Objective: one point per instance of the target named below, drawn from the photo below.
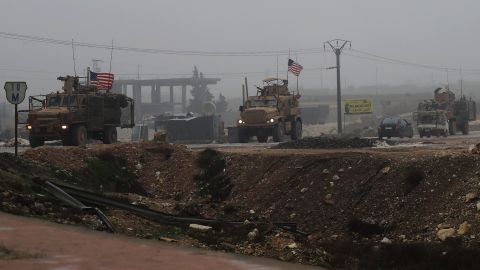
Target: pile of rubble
(345, 203)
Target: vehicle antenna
(74, 65)
(461, 83)
(287, 62)
(111, 57)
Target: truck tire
(35, 141)
(452, 127)
(262, 136)
(296, 130)
(278, 132)
(78, 137)
(465, 129)
(109, 135)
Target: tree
(221, 104)
(200, 93)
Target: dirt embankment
(352, 206)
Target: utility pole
(337, 46)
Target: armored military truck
(444, 107)
(78, 113)
(273, 111)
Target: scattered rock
(166, 239)
(325, 171)
(478, 206)
(471, 196)
(303, 190)
(385, 240)
(385, 170)
(139, 166)
(253, 234)
(292, 245)
(443, 234)
(329, 199)
(443, 226)
(341, 170)
(251, 211)
(336, 177)
(199, 227)
(464, 228)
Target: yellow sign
(358, 106)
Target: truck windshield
(68, 101)
(430, 119)
(263, 103)
(54, 101)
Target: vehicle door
(95, 113)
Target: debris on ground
(347, 203)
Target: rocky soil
(406, 209)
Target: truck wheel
(465, 129)
(79, 136)
(296, 130)
(278, 132)
(452, 127)
(109, 135)
(262, 136)
(35, 141)
(420, 134)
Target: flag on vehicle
(294, 67)
(103, 81)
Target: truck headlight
(272, 120)
(240, 121)
(64, 127)
(29, 127)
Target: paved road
(463, 141)
(63, 247)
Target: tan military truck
(444, 107)
(273, 111)
(78, 113)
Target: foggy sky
(431, 32)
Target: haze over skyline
(433, 33)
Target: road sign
(358, 106)
(15, 91)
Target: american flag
(294, 67)
(103, 81)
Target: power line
(392, 60)
(46, 40)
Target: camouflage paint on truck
(273, 111)
(77, 114)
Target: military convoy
(444, 114)
(273, 111)
(78, 113)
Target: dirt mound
(328, 142)
(371, 199)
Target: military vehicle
(444, 109)
(432, 123)
(78, 113)
(273, 111)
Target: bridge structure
(139, 89)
